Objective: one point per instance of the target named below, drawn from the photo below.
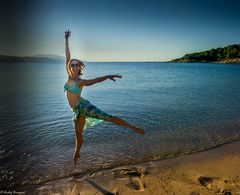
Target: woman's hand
(67, 34)
(114, 76)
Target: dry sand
(216, 171)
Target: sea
(183, 107)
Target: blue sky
(118, 30)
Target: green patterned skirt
(93, 114)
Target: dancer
(84, 113)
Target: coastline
(214, 171)
(224, 61)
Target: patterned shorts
(93, 114)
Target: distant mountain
(51, 56)
(36, 58)
(229, 54)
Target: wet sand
(215, 171)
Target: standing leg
(78, 133)
(121, 122)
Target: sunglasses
(72, 65)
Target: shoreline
(213, 171)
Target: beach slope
(214, 171)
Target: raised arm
(99, 79)
(67, 50)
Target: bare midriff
(72, 98)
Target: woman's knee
(112, 119)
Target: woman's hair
(82, 65)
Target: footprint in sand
(129, 172)
(226, 192)
(134, 174)
(136, 184)
(227, 186)
(205, 181)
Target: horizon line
(51, 56)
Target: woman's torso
(73, 96)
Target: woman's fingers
(67, 33)
(118, 75)
(112, 78)
(115, 76)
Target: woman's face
(75, 66)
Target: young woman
(84, 113)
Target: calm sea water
(184, 108)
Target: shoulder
(81, 82)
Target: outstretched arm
(99, 79)
(67, 50)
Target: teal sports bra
(72, 88)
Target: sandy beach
(215, 171)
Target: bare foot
(76, 156)
(139, 130)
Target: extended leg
(121, 122)
(78, 133)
